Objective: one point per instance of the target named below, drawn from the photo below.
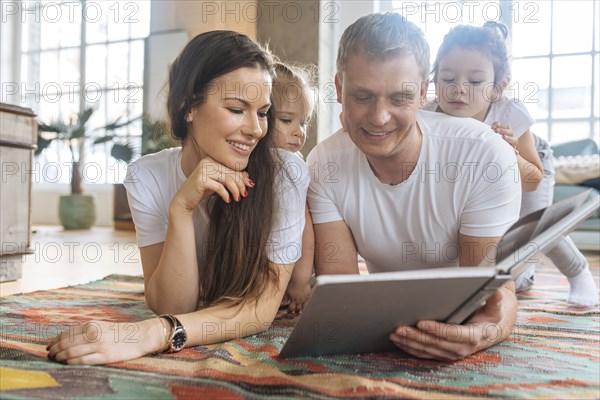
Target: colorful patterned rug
(554, 352)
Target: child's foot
(525, 281)
(583, 289)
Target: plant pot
(77, 211)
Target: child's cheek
(489, 94)
(277, 136)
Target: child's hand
(507, 134)
(297, 295)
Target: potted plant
(155, 137)
(77, 211)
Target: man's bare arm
(335, 251)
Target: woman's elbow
(155, 306)
(160, 308)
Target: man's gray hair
(383, 35)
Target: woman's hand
(211, 177)
(101, 342)
(507, 134)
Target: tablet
(350, 314)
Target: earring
(188, 117)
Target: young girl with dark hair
(470, 73)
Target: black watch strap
(177, 339)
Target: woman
(217, 246)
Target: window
(77, 54)
(555, 64)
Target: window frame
(112, 171)
(506, 8)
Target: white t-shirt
(465, 181)
(153, 180)
(512, 112)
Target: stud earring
(188, 117)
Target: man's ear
(423, 94)
(338, 88)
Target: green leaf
(83, 117)
(56, 127)
(116, 125)
(42, 144)
(122, 152)
(77, 133)
(104, 139)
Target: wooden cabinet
(18, 139)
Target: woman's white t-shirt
(153, 180)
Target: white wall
(161, 49)
(45, 196)
(336, 16)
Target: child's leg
(543, 195)
(536, 200)
(565, 255)
(569, 260)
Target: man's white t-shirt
(466, 180)
(154, 179)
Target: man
(407, 188)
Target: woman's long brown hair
(236, 266)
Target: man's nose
(380, 114)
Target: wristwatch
(178, 337)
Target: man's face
(380, 100)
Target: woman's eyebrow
(245, 102)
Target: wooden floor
(64, 258)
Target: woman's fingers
(234, 185)
(219, 189)
(87, 359)
(73, 352)
(100, 342)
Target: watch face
(179, 340)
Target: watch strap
(167, 334)
(176, 326)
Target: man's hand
(450, 342)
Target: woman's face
(229, 124)
(465, 83)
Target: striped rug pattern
(553, 352)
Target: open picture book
(351, 314)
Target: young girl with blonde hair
(294, 106)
